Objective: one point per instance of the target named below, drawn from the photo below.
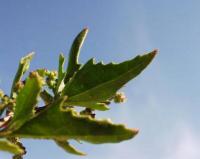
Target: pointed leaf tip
(69, 148)
(27, 58)
(86, 29)
(151, 54)
(135, 131)
(73, 64)
(155, 52)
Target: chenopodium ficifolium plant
(92, 86)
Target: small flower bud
(51, 83)
(47, 72)
(119, 97)
(33, 74)
(53, 75)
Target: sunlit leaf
(61, 72)
(53, 123)
(69, 148)
(10, 147)
(26, 101)
(22, 68)
(96, 82)
(73, 64)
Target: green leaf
(68, 148)
(73, 64)
(96, 82)
(98, 106)
(55, 124)
(26, 101)
(61, 72)
(10, 147)
(22, 68)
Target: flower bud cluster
(6, 102)
(51, 78)
(5, 99)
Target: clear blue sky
(163, 102)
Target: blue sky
(163, 102)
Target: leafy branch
(92, 86)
